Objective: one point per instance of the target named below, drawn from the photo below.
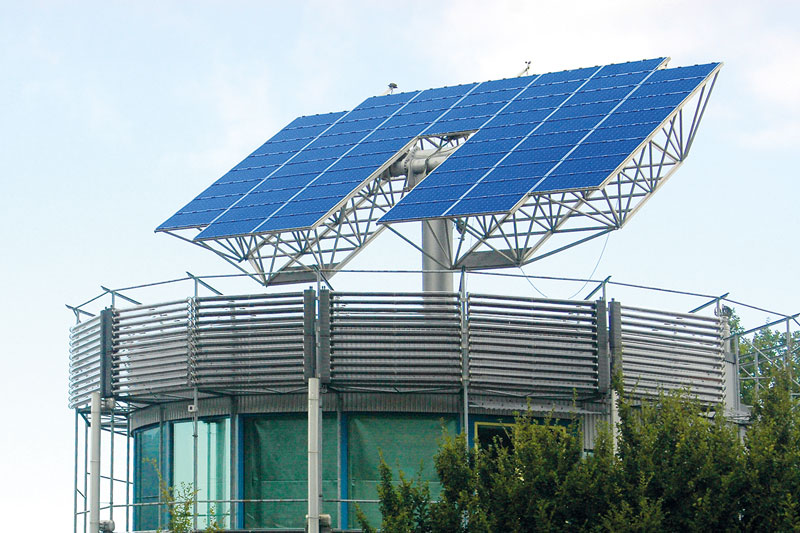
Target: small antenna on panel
(392, 87)
(525, 70)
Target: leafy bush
(676, 466)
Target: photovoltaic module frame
(521, 167)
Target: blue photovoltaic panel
(384, 125)
(584, 135)
(506, 184)
(626, 128)
(243, 177)
(328, 189)
(535, 99)
(555, 131)
(287, 182)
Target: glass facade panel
(408, 442)
(145, 478)
(276, 467)
(213, 466)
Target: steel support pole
(94, 469)
(313, 456)
(75, 487)
(85, 473)
(464, 357)
(437, 245)
(194, 458)
(437, 235)
(111, 467)
(128, 525)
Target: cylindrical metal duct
(94, 465)
(313, 456)
(437, 242)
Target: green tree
(459, 508)
(679, 461)
(180, 501)
(405, 508)
(773, 459)
(678, 466)
(593, 488)
(522, 487)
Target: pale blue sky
(115, 114)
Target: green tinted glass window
(145, 478)
(276, 468)
(408, 442)
(213, 466)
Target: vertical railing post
(233, 464)
(463, 308)
(162, 456)
(85, 475)
(615, 347)
(75, 487)
(192, 378)
(128, 472)
(195, 436)
(111, 468)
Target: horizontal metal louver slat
(533, 347)
(253, 342)
(663, 351)
(84, 361)
(391, 341)
(150, 349)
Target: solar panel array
(549, 132)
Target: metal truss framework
(540, 225)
